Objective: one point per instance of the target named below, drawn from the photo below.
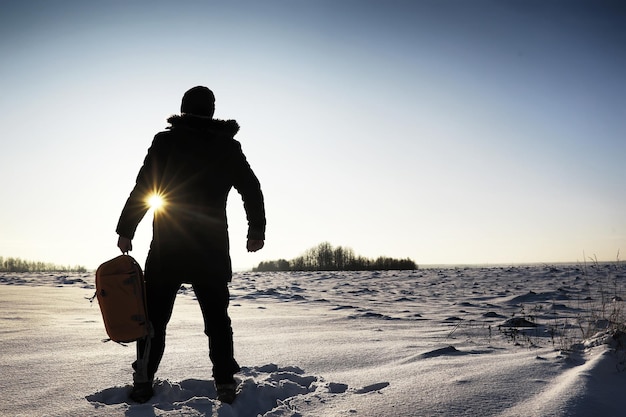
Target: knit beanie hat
(198, 100)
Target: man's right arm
(136, 205)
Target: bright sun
(155, 201)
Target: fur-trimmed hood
(216, 126)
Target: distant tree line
(324, 257)
(21, 265)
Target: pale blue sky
(444, 131)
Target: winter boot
(141, 392)
(226, 393)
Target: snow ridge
(266, 391)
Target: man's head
(198, 100)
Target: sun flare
(155, 201)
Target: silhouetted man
(192, 166)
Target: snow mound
(267, 391)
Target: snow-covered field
(432, 342)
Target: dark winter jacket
(193, 165)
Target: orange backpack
(121, 293)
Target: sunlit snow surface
(496, 341)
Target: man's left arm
(248, 186)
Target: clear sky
(444, 131)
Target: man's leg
(160, 299)
(214, 300)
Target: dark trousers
(213, 300)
